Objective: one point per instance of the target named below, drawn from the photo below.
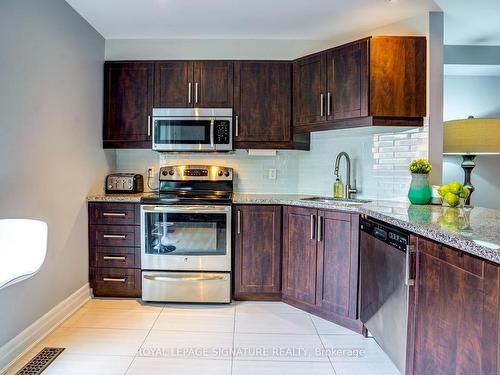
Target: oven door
(186, 238)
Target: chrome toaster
(124, 183)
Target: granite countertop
(472, 230)
(123, 198)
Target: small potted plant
(420, 190)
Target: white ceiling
(243, 19)
(466, 21)
(471, 22)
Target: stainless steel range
(186, 236)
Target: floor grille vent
(40, 362)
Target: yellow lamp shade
(473, 136)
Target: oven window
(182, 131)
(185, 233)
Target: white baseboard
(27, 339)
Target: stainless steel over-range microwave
(192, 129)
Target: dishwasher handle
(409, 281)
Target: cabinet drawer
(114, 213)
(115, 259)
(115, 235)
(117, 282)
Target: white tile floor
(112, 336)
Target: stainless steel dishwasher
(384, 282)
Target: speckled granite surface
(116, 197)
(473, 230)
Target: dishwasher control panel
(386, 233)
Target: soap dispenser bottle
(338, 188)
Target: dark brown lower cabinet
(257, 258)
(453, 313)
(114, 249)
(320, 263)
(299, 255)
(337, 267)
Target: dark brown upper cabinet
(454, 310)
(257, 255)
(213, 84)
(173, 84)
(207, 84)
(374, 81)
(309, 90)
(128, 99)
(263, 106)
(347, 73)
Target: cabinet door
(299, 254)
(347, 95)
(263, 102)
(337, 283)
(453, 314)
(309, 80)
(398, 76)
(128, 99)
(174, 84)
(258, 252)
(213, 84)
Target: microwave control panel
(222, 132)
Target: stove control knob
(171, 172)
(227, 174)
(220, 173)
(164, 172)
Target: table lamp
(471, 137)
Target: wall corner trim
(38, 330)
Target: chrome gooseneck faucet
(349, 190)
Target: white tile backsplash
(379, 163)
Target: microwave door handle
(212, 125)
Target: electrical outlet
(272, 174)
(151, 172)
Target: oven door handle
(194, 209)
(212, 128)
(185, 278)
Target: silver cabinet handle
(313, 229)
(238, 222)
(149, 126)
(408, 280)
(329, 104)
(114, 214)
(109, 257)
(118, 236)
(196, 93)
(212, 123)
(114, 280)
(184, 278)
(322, 104)
(320, 228)
(237, 126)
(189, 93)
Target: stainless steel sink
(336, 200)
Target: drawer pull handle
(114, 280)
(114, 214)
(107, 257)
(184, 278)
(117, 236)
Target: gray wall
(478, 96)
(50, 145)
